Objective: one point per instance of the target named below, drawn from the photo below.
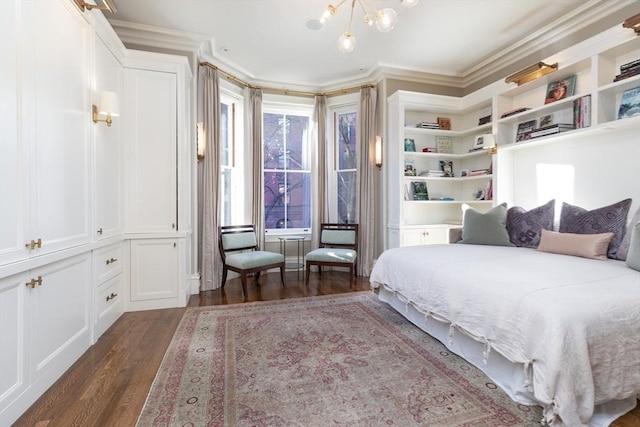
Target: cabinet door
(413, 237)
(14, 360)
(57, 125)
(108, 151)
(151, 141)
(59, 307)
(13, 173)
(154, 269)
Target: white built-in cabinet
(416, 222)
(94, 220)
(157, 142)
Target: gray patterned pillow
(525, 227)
(623, 249)
(612, 218)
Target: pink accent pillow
(592, 246)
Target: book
(630, 65)
(409, 145)
(420, 190)
(550, 130)
(444, 123)
(524, 130)
(582, 112)
(629, 103)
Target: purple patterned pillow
(525, 228)
(623, 249)
(612, 218)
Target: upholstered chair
(338, 248)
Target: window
(231, 195)
(287, 171)
(346, 164)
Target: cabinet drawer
(109, 305)
(107, 262)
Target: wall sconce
(633, 22)
(378, 152)
(108, 5)
(532, 72)
(108, 106)
(200, 140)
(489, 144)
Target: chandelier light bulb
(328, 14)
(409, 3)
(367, 19)
(386, 20)
(346, 42)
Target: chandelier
(385, 19)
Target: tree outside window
(287, 192)
(347, 161)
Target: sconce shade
(489, 143)
(109, 104)
(378, 151)
(532, 72)
(200, 140)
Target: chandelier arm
(364, 4)
(353, 5)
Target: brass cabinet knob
(112, 296)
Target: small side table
(300, 250)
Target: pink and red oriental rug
(340, 360)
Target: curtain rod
(234, 79)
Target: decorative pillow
(624, 245)
(524, 227)
(486, 229)
(592, 246)
(633, 257)
(612, 218)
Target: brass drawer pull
(34, 244)
(33, 282)
(112, 296)
(111, 261)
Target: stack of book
(513, 112)
(428, 125)
(627, 70)
(550, 130)
(477, 172)
(432, 173)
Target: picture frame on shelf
(629, 103)
(446, 166)
(444, 144)
(561, 89)
(444, 123)
(409, 145)
(546, 120)
(478, 142)
(524, 130)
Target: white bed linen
(573, 323)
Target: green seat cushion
(232, 241)
(338, 237)
(253, 259)
(347, 256)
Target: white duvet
(573, 322)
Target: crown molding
(204, 47)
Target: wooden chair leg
(244, 284)
(282, 275)
(224, 275)
(257, 276)
(307, 272)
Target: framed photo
(409, 145)
(561, 89)
(444, 123)
(446, 166)
(546, 120)
(444, 144)
(478, 143)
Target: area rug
(340, 360)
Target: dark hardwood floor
(108, 385)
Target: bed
(554, 330)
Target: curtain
(366, 195)
(253, 120)
(211, 269)
(319, 169)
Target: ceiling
(268, 42)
